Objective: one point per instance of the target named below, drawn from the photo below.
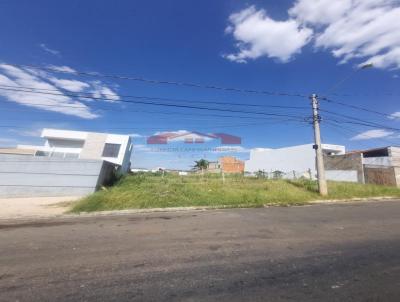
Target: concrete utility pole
(322, 186)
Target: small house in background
(230, 164)
(226, 164)
(373, 166)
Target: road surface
(312, 253)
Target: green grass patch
(153, 191)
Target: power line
(184, 114)
(160, 128)
(151, 81)
(111, 96)
(354, 107)
(351, 74)
(151, 103)
(361, 121)
(338, 126)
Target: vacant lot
(156, 191)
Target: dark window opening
(111, 150)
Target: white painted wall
(125, 150)
(341, 175)
(299, 158)
(66, 141)
(378, 161)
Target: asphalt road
(312, 253)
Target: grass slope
(153, 191)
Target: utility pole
(322, 186)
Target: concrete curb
(206, 208)
(184, 209)
(350, 200)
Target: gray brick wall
(352, 161)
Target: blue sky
(280, 46)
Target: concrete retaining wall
(28, 176)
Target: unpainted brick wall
(351, 161)
(380, 175)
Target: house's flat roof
(64, 134)
(72, 134)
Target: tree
(261, 174)
(201, 164)
(278, 174)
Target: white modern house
(67, 144)
(70, 163)
(294, 161)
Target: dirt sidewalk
(34, 206)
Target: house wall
(397, 175)
(378, 161)
(93, 146)
(231, 165)
(27, 176)
(350, 164)
(299, 159)
(394, 153)
(86, 145)
(341, 175)
(214, 167)
(380, 175)
(125, 154)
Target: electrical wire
(149, 103)
(354, 107)
(151, 81)
(111, 96)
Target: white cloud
(365, 30)
(319, 11)
(49, 50)
(135, 135)
(71, 85)
(259, 35)
(29, 132)
(58, 98)
(99, 90)
(65, 69)
(372, 134)
(16, 77)
(231, 149)
(171, 132)
(141, 148)
(395, 115)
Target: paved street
(312, 253)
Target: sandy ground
(34, 206)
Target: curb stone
(186, 209)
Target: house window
(71, 155)
(42, 153)
(111, 150)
